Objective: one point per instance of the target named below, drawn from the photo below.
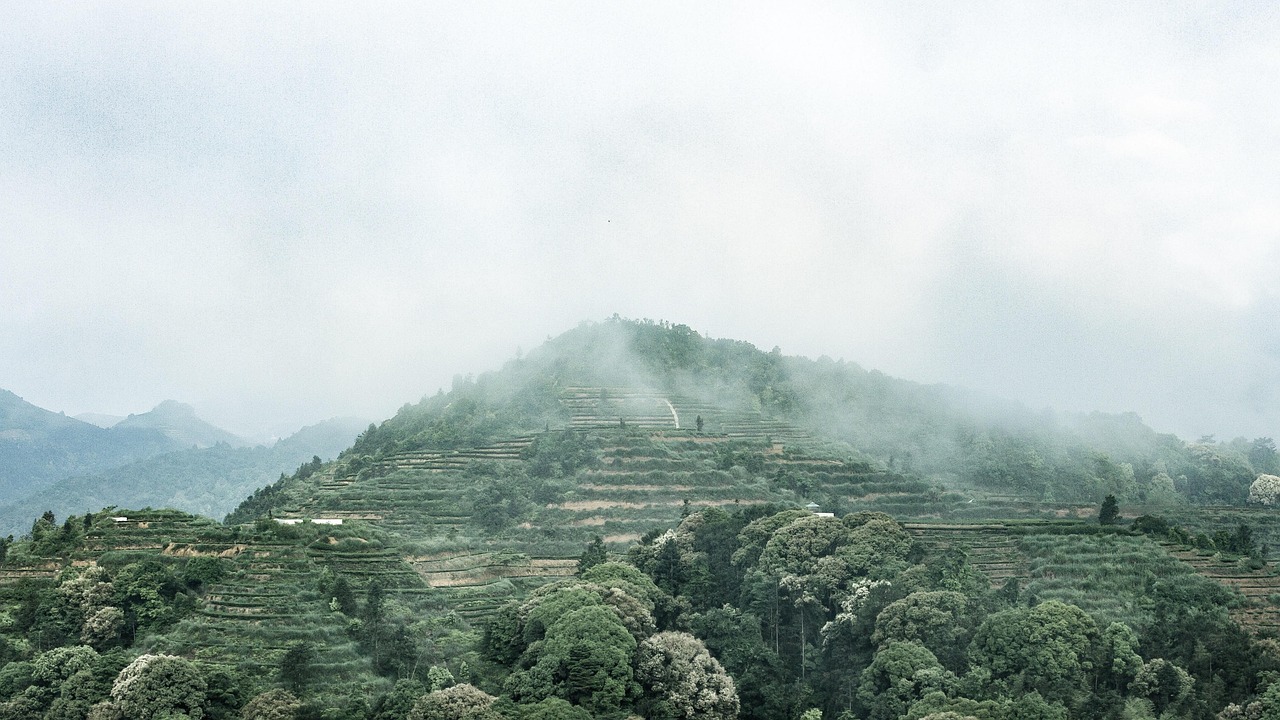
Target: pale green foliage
(584, 657)
(677, 671)
(55, 666)
(439, 678)
(86, 597)
(1138, 709)
(1164, 683)
(753, 538)
(818, 559)
(553, 709)
(796, 548)
(102, 627)
(811, 714)
(1119, 654)
(1031, 706)
(274, 704)
(627, 578)
(156, 687)
(88, 591)
(1265, 490)
(460, 702)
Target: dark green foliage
(225, 694)
(155, 687)
(593, 555)
(561, 454)
(344, 597)
(1151, 525)
(1109, 512)
(499, 503)
(396, 704)
(296, 669)
(204, 570)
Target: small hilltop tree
(1110, 511)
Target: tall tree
(1109, 512)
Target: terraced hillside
(1260, 611)
(265, 600)
(991, 548)
(484, 523)
(1109, 575)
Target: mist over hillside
(951, 437)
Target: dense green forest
(637, 521)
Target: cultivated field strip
(989, 547)
(1260, 588)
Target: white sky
(283, 212)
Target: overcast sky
(281, 213)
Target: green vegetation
(637, 520)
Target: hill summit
(178, 421)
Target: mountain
(796, 517)
(102, 420)
(205, 481)
(178, 422)
(39, 447)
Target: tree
(1265, 490)
(344, 598)
(1263, 456)
(460, 702)
(155, 687)
(938, 620)
(595, 554)
(397, 704)
(1118, 659)
(682, 680)
(900, 674)
(584, 657)
(295, 666)
(698, 422)
(1044, 648)
(274, 704)
(1163, 683)
(1109, 512)
(553, 709)
(102, 629)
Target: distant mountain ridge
(208, 481)
(39, 447)
(178, 421)
(102, 420)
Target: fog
(280, 213)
